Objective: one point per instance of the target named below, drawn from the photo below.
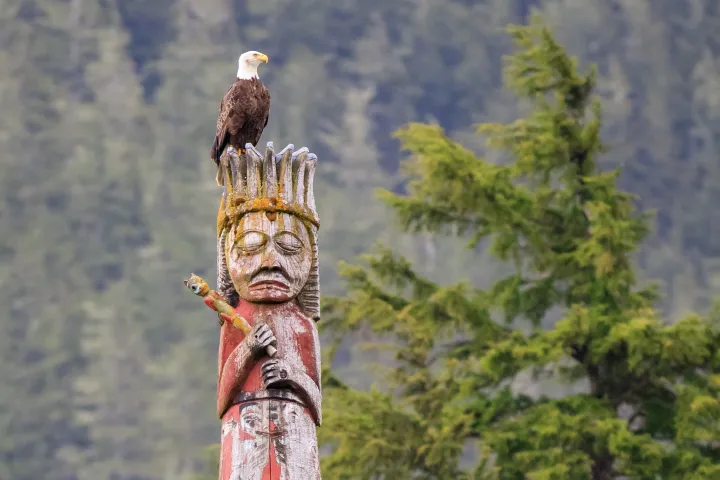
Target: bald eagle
(244, 110)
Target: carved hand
(276, 373)
(260, 339)
(279, 373)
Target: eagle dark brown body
(244, 112)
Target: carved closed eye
(251, 242)
(288, 243)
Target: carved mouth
(269, 280)
(269, 284)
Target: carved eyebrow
(242, 234)
(282, 232)
(293, 235)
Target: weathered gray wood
(268, 272)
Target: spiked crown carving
(271, 183)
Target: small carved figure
(226, 313)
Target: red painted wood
(296, 340)
(251, 432)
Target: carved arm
(240, 362)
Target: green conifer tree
(647, 404)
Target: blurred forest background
(107, 197)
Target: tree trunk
(602, 468)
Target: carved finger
(262, 337)
(266, 369)
(266, 343)
(270, 379)
(268, 366)
(260, 328)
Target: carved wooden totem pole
(268, 301)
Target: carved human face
(269, 257)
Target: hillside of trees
(626, 396)
(108, 200)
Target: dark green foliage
(650, 405)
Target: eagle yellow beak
(263, 58)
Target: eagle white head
(248, 64)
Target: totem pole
(268, 301)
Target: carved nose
(270, 257)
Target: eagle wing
(240, 118)
(228, 117)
